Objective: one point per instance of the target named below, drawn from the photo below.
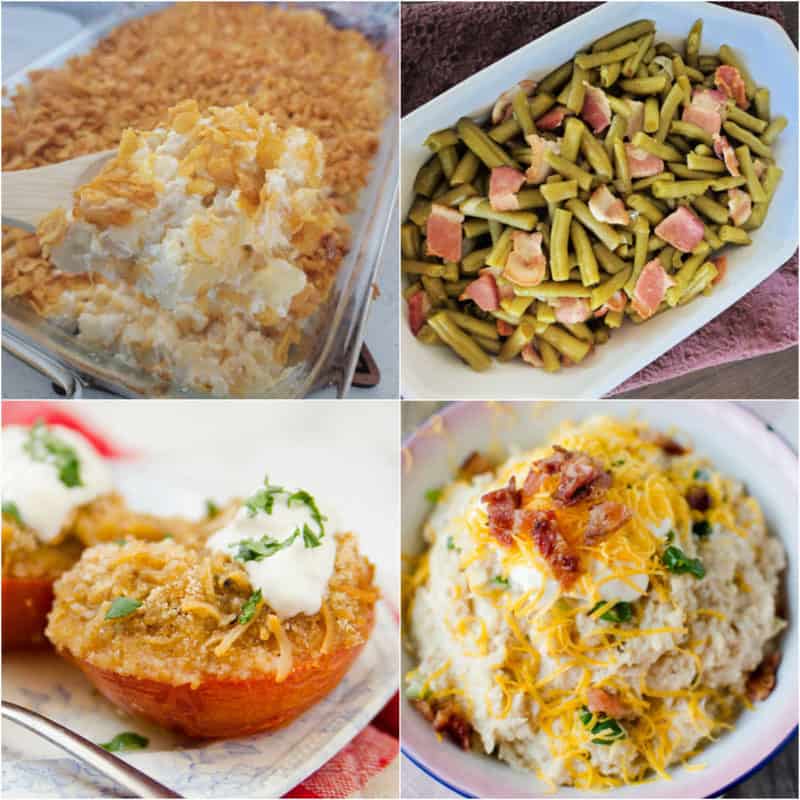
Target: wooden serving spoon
(29, 194)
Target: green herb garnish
(311, 539)
(671, 537)
(302, 496)
(702, 528)
(212, 509)
(259, 549)
(499, 580)
(451, 545)
(250, 607)
(606, 730)
(676, 561)
(700, 475)
(263, 499)
(618, 463)
(122, 607)
(414, 689)
(126, 741)
(10, 509)
(433, 496)
(43, 445)
(619, 612)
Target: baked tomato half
(26, 604)
(221, 708)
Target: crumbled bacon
(474, 464)
(762, 679)
(447, 718)
(582, 477)
(604, 519)
(698, 498)
(668, 445)
(600, 701)
(500, 507)
(542, 527)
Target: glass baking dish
(338, 327)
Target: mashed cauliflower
(594, 612)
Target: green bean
(748, 171)
(641, 229)
(622, 168)
(773, 130)
(456, 288)
(428, 177)
(727, 56)
(761, 102)
(506, 130)
(680, 144)
(644, 86)
(710, 235)
(410, 240)
(466, 169)
(693, 43)
(756, 218)
(488, 345)
(690, 131)
(577, 90)
(701, 281)
(650, 145)
(516, 307)
(589, 271)
(545, 313)
(568, 169)
(487, 151)
(613, 319)
(554, 80)
(449, 159)
(434, 287)
(626, 33)
(616, 132)
(684, 83)
(682, 171)
(461, 343)
(559, 191)
(440, 189)
(427, 335)
(580, 330)
(711, 209)
(679, 189)
(555, 289)
(704, 163)
(604, 232)
(607, 289)
(727, 182)
(423, 268)
(708, 64)
(619, 106)
(550, 359)
(530, 198)
(735, 114)
(456, 195)
(596, 155)
(559, 236)
(668, 109)
(684, 275)
(651, 115)
(610, 262)
(609, 73)
(540, 104)
(502, 247)
(732, 235)
(420, 211)
(570, 144)
(646, 207)
(703, 150)
(523, 334)
(480, 207)
(440, 139)
(630, 67)
(665, 49)
(772, 177)
(601, 57)
(475, 260)
(473, 228)
(566, 343)
(478, 327)
(522, 112)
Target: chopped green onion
(677, 562)
(259, 549)
(10, 510)
(126, 741)
(499, 580)
(606, 730)
(619, 612)
(701, 475)
(451, 545)
(433, 496)
(212, 509)
(43, 445)
(702, 528)
(122, 607)
(250, 607)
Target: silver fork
(105, 763)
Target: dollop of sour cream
(294, 579)
(34, 486)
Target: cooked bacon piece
(582, 477)
(601, 701)
(607, 208)
(503, 328)
(571, 310)
(542, 527)
(739, 206)
(539, 169)
(721, 263)
(596, 111)
(762, 679)
(502, 107)
(553, 119)
(728, 79)
(667, 444)
(698, 498)
(706, 110)
(650, 288)
(526, 264)
(682, 229)
(724, 150)
(530, 355)
(419, 306)
(504, 184)
(641, 163)
(636, 119)
(500, 507)
(444, 232)
(533, 482)
(616, 302)
(474, 464)
(446, 718)
(604, 519)
(483, 292)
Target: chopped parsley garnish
(259, 549)
(310, 538)
(606, 730)
(212, 509)
(700, 475)
(263, 499)
(126, 741)
(43, 445)
(11, 510)
(676, 561)
(702, 528)
(451, 545)
(122, 607)
(618, 463)
(433, 496)
(619, 612)
(250, 607)
(671, 537)
(500, 581)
